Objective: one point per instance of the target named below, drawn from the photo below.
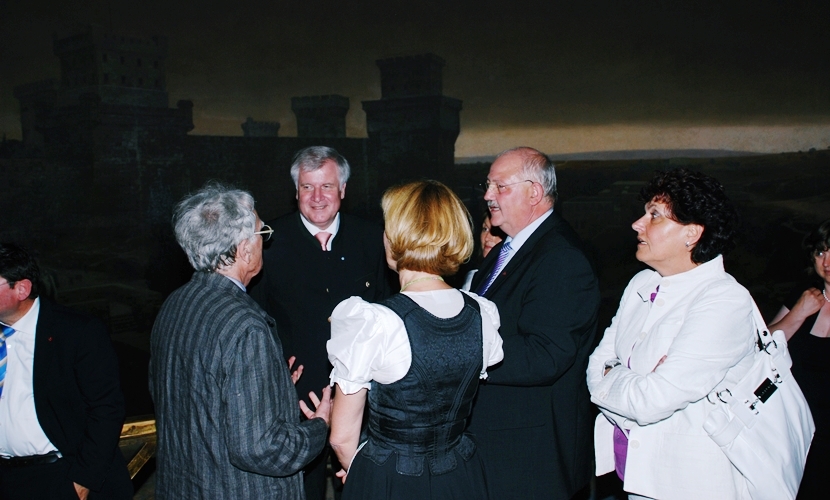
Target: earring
(687, 244)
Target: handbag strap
(764, 342)
(773, 343)
(761, 329)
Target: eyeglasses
(266, 232)
(487, 185)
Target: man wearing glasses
(533, 420)
(226, 408)
(61, 407)
(318, 257)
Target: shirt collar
(28, 323)
(522, 236)
(681, 281)
(236, 282)
(333, 227)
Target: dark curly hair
(18, 263)
(695, 198)
(817, 241)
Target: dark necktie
(7, 332)
(505, 251)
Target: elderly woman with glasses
(682, 328)
(416, 358)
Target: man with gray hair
(533, 419)
(226, 409)
(319, 257)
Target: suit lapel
(337, 239)
(44, 356)
(520, 258)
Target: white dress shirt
(332, 229)
(20, 432)
(369, 341)
(468, 280)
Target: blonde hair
(428, 228)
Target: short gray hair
(537, 167)
(313, 158)
(211, 223)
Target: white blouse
(369, 341)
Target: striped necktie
(7, 332)
(505, 251)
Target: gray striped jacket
(226, 411)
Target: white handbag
(763, 423)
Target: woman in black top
(805, 319)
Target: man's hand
(296, 374)
(322, 406)
(342, 475)
(82, 492)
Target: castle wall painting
(111, 111)
(562, 76)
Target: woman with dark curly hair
(805, 320)
(681, 329)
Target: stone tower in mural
(321, 116)
(108, 118)
(123, 70)
(112, 88)
(412, 128)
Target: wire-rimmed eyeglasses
(487, 185)
(265, 231)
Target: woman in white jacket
(682, 330)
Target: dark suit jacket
(78, 398)
(533, 419)
(300, 285)
(226, 411)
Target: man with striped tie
(533, 418)
(61, 407)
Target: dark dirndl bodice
(420, 419)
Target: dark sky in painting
(520, 65)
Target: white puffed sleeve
(491, 340)
(368, 342)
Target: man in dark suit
(319, 257)
(533, 419)
(61, 407)
(226, 410)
